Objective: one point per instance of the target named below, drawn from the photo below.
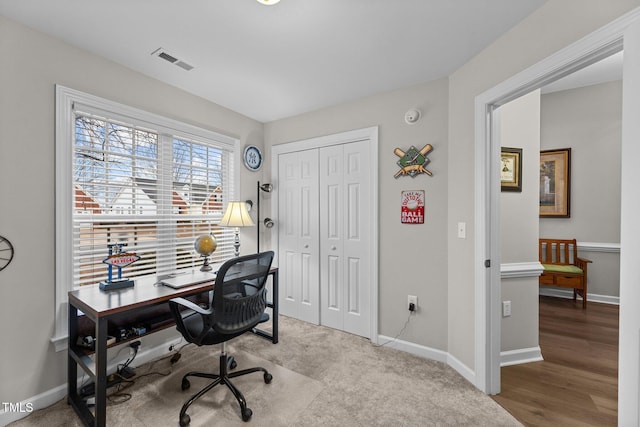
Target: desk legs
(99, 417)
(101, 373)
(274, 306)
(73, 358)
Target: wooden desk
(100, 307)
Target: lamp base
(236, 242)
(112, 285)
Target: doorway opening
(587, 51)
(546, 325)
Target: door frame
(370, 134)
(586, 51)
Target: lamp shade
(236, 215)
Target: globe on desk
(205, 245)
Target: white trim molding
(599, 247)
(521, 269)
(432, 354)
(568, 294)
(598, 45)
(520, 356)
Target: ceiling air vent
(184, 65)
(161, 53)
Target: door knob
(333, 248)
(306, 246)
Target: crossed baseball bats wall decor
(413, 161)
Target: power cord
(125, 376)
(411, 313)
(123, 369)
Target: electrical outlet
(412, 299)
(174, 344)
(506, 308)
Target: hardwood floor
(577, 383)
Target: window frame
(66, 98)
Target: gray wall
(33, 63)
(411, 256)
(520, 128)
(554, 26)
(589, 120)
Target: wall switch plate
(462, 230)
(506, 308)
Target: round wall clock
(252, 158)
(6, 252)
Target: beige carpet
(321, 377)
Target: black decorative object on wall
(6, 252)
(268, 222)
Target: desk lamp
(236, 216)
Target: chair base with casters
(236, 306)
(224, 377)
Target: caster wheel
(233, 365)
(267, 378)
(185, 420)
(185, 385)
(246, 414)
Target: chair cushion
(560, 268)
(193, 322)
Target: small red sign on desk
(121, 260)
(412, 207)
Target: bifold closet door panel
(298, 235)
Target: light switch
(462, 230)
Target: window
(131, 177)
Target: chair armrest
(582, 263)
(193, 306)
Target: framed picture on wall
(555, 183)
(511, 169)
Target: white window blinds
(148, 186)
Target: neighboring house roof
(184, 195)
(213, 202)
(84, 201)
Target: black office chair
(239, 303)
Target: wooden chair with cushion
(563, 267)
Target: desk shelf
(104, 309)
(84, 360)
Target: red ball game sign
(412, 207)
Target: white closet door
(345, 245)
(298, 235)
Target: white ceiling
(606, 70)
(271, 62)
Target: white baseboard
(149, 354)
(49, 397)
(461, 368)
(40, 401)
(416, 349)
(523, 355)
(430, 353)
(568, 293)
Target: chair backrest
(239, 293)
(558, 251)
